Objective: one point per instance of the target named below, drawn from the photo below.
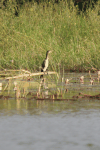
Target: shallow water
(53, 125)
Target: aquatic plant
(73, 39)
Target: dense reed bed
(74, 38)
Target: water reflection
(24, 106)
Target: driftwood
(31, 74)
(26, 73)
(81, 95)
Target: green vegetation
(74, 39)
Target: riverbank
(74, 39)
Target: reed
(74, 39)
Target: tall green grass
(74, 39)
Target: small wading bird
(45, 63)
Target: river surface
(50, 125)
(51, 128)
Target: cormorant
(45, 63)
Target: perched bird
(45, 63)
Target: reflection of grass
(32, 107)
(74, 39)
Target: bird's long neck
(47, 56)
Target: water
(50, 125)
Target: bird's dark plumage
(45, 63)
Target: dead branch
(31, 74)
